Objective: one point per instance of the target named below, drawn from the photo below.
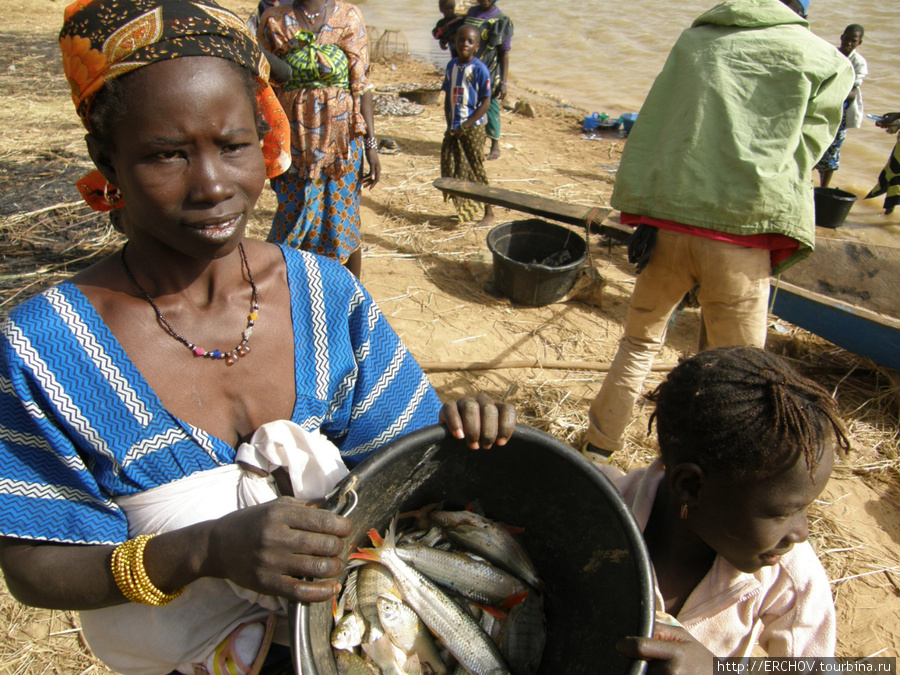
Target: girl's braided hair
(743, 413)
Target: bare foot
(487, 221)
(495, 150)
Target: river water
(602, 56)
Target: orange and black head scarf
(104, 39)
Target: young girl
(747, 445)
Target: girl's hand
(282, 548)
(672, 650)
(371, 178)
(479, 421)
(890, 122)
(501, 91)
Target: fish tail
(514, 600)
(376, 538)
(367, 554)
(488, 609)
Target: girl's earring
(111, 194)
(684, 511)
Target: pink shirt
(787, 609)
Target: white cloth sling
(143, 640)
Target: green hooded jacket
(746, 104)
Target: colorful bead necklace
(230, 357)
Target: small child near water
(467, 97)
(851, 39)
(746, 445)
(444, 30)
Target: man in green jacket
(716, 177)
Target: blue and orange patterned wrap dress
(318, 198)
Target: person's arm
(366, 107)
(504, 71)
(270, 549)
(280, 71)
(480, 112)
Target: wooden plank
(543, 207)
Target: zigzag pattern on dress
(102, 361)
(373, 315)
(33, 410)
(148, 445)
(67, 408)
(320, 329)
(343, 394)
(208, 444)
(40, 444)
(384, 382)
(399, 425)
(9, 486)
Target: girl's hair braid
(742, 413)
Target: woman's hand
(890, 122)
(283, 548)
(371, 178)
(672, 650)
(479, 421)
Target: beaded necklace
(312, 17)
(230, 357)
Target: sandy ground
(432, 278)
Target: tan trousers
(734, 292)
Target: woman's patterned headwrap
(104, 39)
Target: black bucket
(582, 538)
(832, 206)
(535, 262)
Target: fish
(390, 659)
(349, 663)
(458, 632)
(523, 635)
(349, 632)
(373, 580)
(472, 578)
(488, 539)
(404, 628)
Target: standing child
(467, 97)
(851, 39)
(445, 29)
(495, 31)
(746, 445)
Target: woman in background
(319, 56)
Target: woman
(121, 495)
(889, 179)
(320, 60)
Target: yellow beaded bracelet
(131, 575)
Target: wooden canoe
(845, 292)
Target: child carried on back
(746, 445)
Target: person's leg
(492, 128)
(825, 177)
(657, 291)
(734, 293)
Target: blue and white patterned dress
(80, 426)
